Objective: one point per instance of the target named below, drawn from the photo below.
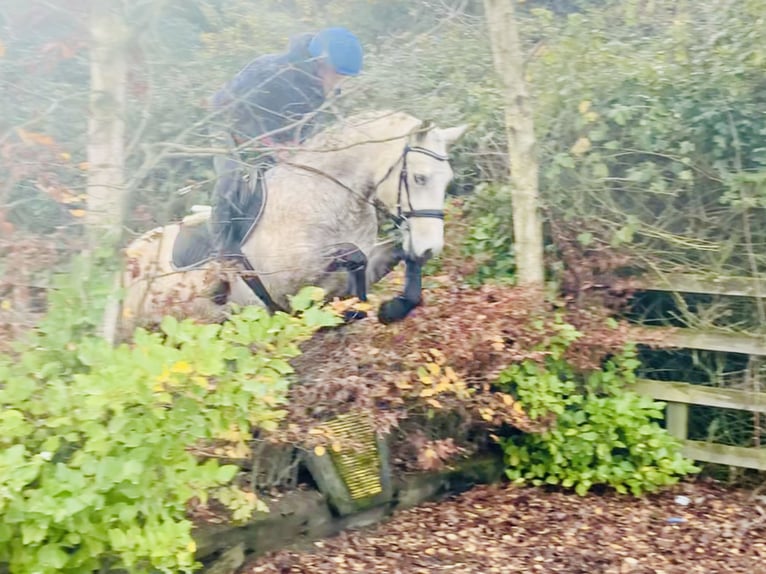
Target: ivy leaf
(582, 488)
(600, 170)
(585, 239)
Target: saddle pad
(193, 246)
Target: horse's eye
(420, 179)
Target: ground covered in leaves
(697, 527)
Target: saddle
(194, 245)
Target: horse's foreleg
(383, 258)
(350, 258)
(399, 307)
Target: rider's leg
(251, 195)
(225, 199)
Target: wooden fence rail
(704, 284)
(679, 395)
(705, 340)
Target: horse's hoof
(394, 310)
(220, 295)
(351, 315)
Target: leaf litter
(510, 529)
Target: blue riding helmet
(341, 47)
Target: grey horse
(321, 215)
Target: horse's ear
(451, 135)
(421, 130)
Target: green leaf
(582, 488)
(52, 556)
(13, 455)
(16, 390)
(33, 532)
(118, 539)
(316, 317)
(132, 470)
(281, 366)
(170, 326)
(13, 425)
(565, 161)
(226, 473)
(305, 298)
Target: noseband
(404, 188)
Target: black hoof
(351, 315)
(221, 293)
(394, 310)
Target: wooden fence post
(677, 417)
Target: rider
(266, 101)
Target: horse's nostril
(428, 254)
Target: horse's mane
(363, 127)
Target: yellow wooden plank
(360, 470)
(676, 392)
(727, 455)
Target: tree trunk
(106, 138)
(509, 64)
(106, 122)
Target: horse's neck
(358, 166)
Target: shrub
(478, 361)
(605, 434)
(95, 461)
(488, 241)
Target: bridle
(401, 216)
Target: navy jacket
(272, 92)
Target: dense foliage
(476, 363)
(95, 466)
(605, 434)
(653, 135)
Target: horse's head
(416, 198)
